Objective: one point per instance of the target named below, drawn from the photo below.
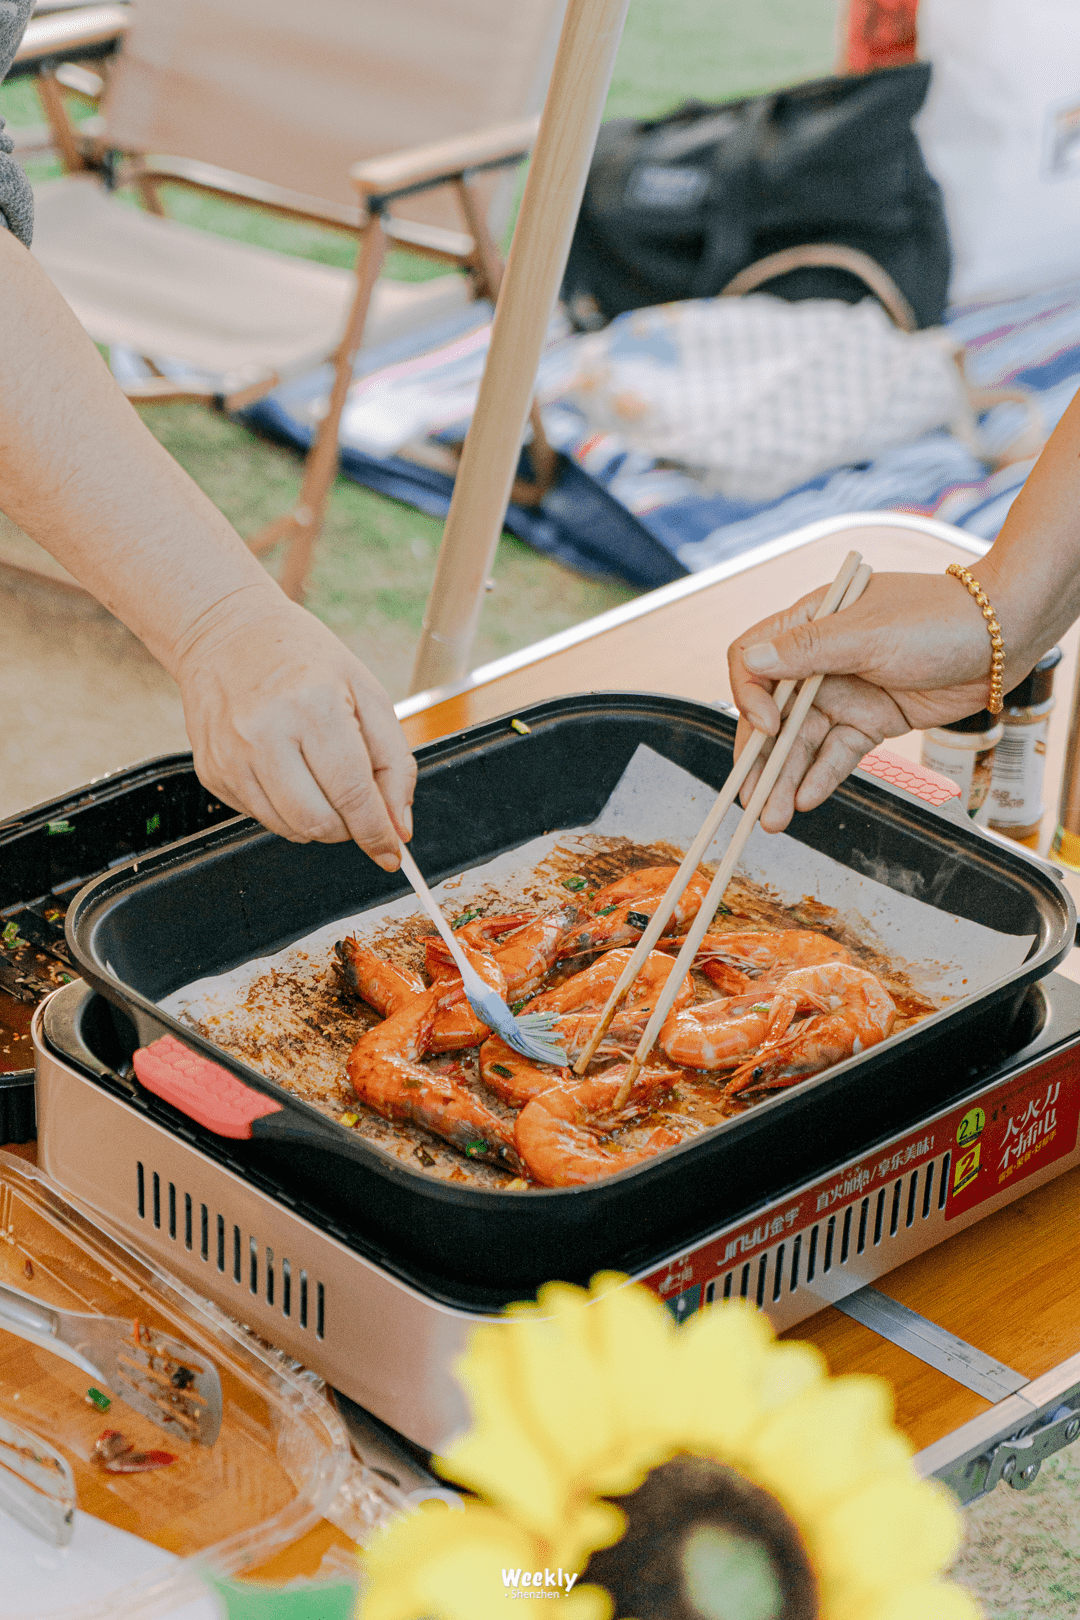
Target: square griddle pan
(227, 894)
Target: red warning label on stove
(1029, 1125)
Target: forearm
(1032, 572)
(82, 475)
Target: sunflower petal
(821, 1448)
(896, 1530)
(444, 1566)
(929, 1600)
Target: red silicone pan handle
(916, 779)
(204, 1091)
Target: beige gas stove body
(392, 1348)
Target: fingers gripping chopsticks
(847, 587)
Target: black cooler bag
(678, 207)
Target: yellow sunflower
(630, 1467)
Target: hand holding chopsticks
(846, 589)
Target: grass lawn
(376, 558)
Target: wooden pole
(549, 208)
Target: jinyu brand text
(538, 1583)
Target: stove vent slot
(306, 1304)
(794, 1263)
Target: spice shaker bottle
(964, 751)
(1016, 806)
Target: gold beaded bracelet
(997, 641)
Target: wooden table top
(674, 641)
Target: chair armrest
(242, 188)
(90, 31)
(422, 166)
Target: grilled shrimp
(581, 998)
(850, 1010)
(620, 912)
(384, 1071)
(478, 935)
(522, 959)
(736, 961)
(721, 1034)
(456, 1026)
(525, 953)
(382, 985)
(563, 1136)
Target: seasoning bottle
(1065, 848)
(964, 751)
(1016, 806)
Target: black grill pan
(226, 895)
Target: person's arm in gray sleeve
(16, 198)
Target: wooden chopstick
(700, 927)
(724, 800)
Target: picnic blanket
(616, 511)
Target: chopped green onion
(725, 911)
(53, 827)
(516, 1008)
(574, 883)
(606, 912)
(520, 727)
(11, 934)
(94, 1397)
(153, 823)
(466, 917)
(500, 1068)
(348, 1119)
(474, 1149)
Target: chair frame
(55, 50)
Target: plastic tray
(281, 1457)
(50, 850)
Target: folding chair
(391, 123)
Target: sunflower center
(702, 1543)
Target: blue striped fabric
(650, 523)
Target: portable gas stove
(389, 1340)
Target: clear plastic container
(280, 1459)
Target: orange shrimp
(385, 1073)
(382, 985)
(722, 1034)
(563, 1136)
(620, 912)
(850, 1010)
(456, 1026)
(524, 956)
(581, 998)
(520, 964)
(735, 961)
(480, 935)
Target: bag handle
(836, 256)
